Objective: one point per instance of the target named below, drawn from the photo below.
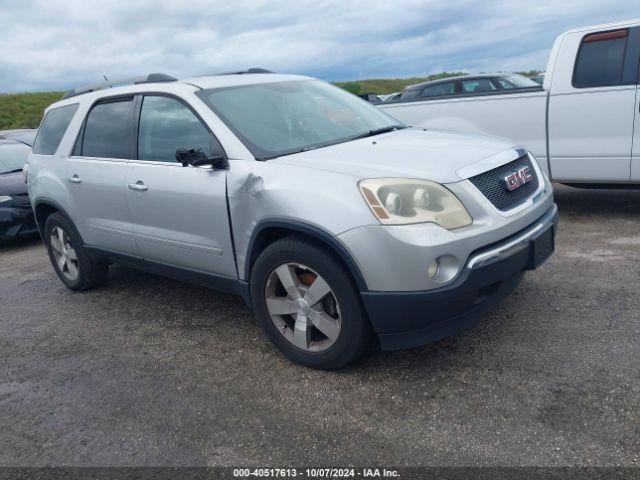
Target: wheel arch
(268, 231)
(44, 207)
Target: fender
(52, 203)
(310, 230)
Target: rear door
(592, 107)
(179, 214)
(96, 176)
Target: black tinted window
(167, 125)
(478, 85)
(106, 132)
(600, 60)
(439, 89)
(52, 130)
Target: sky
(62, 44)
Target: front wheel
(308, 305)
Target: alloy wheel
(64, 254)
(303, 307)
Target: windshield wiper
(379, 131)
(297, 150)
(370, 133)
(11, 171)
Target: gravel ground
(149, 371)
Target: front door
(592, 108)
(635, 159)
(96, 173)
(634, 47)
(179, 214)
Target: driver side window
(167, 125)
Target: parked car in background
(389, 97)
(16, 215)
(370, 97)
(465, 85)
(339, 225)
(583, 127)
(23, 135)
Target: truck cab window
(600, 60)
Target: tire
(342, 304)
(89, 273)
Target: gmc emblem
(517, 179)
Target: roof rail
(246, 72)
(150, 78)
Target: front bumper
(410, 319)
(17, 221)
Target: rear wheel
(74, 266)
(308, 306)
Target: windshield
(274, 119)
(13, 156)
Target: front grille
(491, 186)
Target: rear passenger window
(52, 130)
(167, 125)
(600, 60)
(106, 132)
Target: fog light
(433, 269)
(443, 269)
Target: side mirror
(197, 158)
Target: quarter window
(600, 60)
(167, 125)
(52, 130)
(106, 132)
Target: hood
(409, 153)
(12, 184)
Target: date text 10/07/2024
(315, 473)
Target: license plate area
(541, 248)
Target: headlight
(4, 198)
(400, 201)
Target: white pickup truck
(583, 126)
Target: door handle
(75, 179)
(138, 186)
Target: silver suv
(342, 228)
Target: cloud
(59, 44)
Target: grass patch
(24, 110)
